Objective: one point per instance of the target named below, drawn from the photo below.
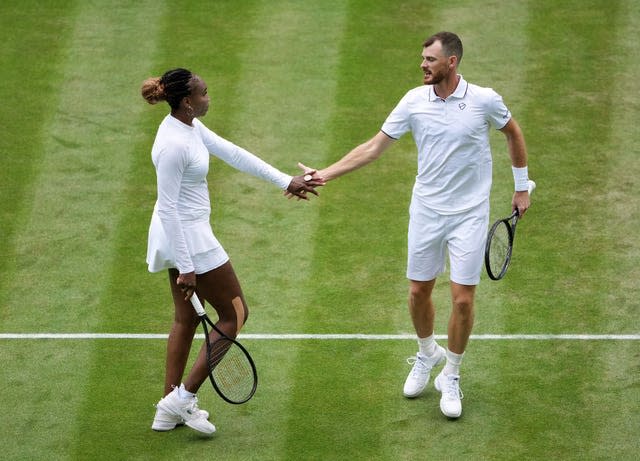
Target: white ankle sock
(427, 346)
(183, 393)
(452, 366)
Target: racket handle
(532, 186)
(197, 305)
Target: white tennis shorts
(432, 235)
(212, 259)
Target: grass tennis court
(306, 81)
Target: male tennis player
(449, 119)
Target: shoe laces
(191, 404)
(194, 404)
(418, 365)
(452, 387)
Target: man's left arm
(518, 153)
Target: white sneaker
(450, 402)
(419, 375)
(165, 421)
(187, 410)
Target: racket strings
(231, 370)
(218, 351)
(499, 250)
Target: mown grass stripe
(620, 170)
(556, 139)
(66, 244)
(570, 120)
(33, 257)
(358, 246)
(98, 133)
(620, 271)
(29, 62)
(285, 95)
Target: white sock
(183, 393)
(427, 346)
(452, 367)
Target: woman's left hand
(301, 184)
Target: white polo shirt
(452, 136)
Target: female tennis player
(181, 239)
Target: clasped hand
(306, 182)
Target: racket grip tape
(197, 305)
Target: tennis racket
(499, 246)
(231, 368)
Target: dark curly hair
(174, 85)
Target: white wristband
(520, 178)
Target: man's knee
(420, 290)
(463, 299)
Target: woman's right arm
(170, 167)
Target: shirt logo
(462, 106)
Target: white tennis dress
(180, 235)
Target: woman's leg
(184, 326)
(220, 288)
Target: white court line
(303, 336)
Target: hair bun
(153, 90)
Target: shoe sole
(413, 396)
(200, 429)
(163, 427)
(452, 415)
(192, 423)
